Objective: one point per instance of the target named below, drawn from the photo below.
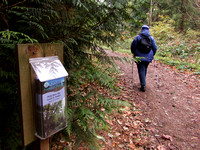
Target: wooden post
(26, 51)
(44, 144)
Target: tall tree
(185, 12)
(151, 13)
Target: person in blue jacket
(146, 57)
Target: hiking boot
(143, 88)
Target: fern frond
(6, 75)
(37, 25)
(10, 36)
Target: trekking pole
(156, 72)
(132, 72)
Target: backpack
(145, 44)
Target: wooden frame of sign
(26, 51)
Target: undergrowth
(181, 50)
(88, 107)
(10, 137)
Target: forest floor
(164, 117)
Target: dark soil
(168, 116)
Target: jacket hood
(145, 30)
(145, 27)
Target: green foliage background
(177, 49)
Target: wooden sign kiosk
(26, 51)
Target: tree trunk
(151, 13)
(182, 22)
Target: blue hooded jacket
(147, 56)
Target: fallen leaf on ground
(161, 147)
(125, 128)
(117, 134)
(121, 145)
(110, 135)
(131, 145)
(167, 137)
(119, 122)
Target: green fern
(11, 36)
(81, 26)
(10, 107)
(88, 109)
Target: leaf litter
(164, 118)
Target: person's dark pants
(142, 71)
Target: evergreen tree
(81, 26)
(185, 12)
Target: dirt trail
(172, 110)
